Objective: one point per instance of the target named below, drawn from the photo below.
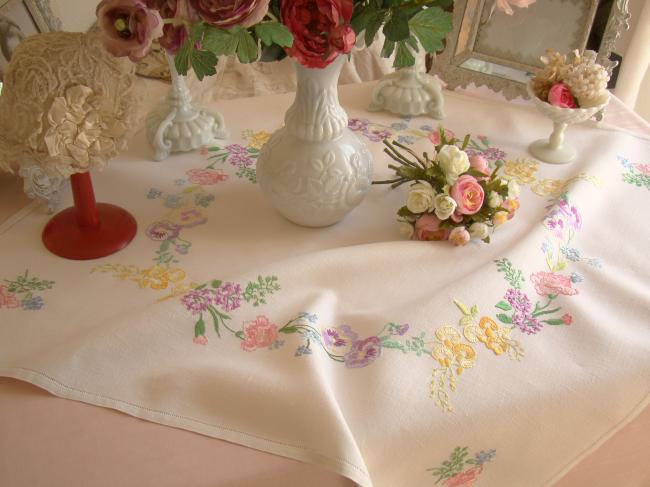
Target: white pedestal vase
(176, 126)
(408, 92)
(314, 170)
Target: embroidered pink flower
(163, 230)
(206, 177)
(259, 333)
(464, 479)
(480, 163)
(468, 194)
(427, 227)
(198, 300)
(505, 5)
(459, 236)
(567, 318)
(643, 168)
(560, 96)
(551, 283)
(7, 299)
(435, 136)
(363, 352)
(201, 340)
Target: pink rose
(427, 227)
(459, 236)
(504, 5)
(512, 205)
(206, 177)
(128, 27)
(560, 96)
(321, 30)
(550, 283)
(456, 216)
(464, 479)
(7, 299)
(259, 333)
(228, 13)
(480, 163)
(468, 194)
(435, 136)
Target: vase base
(64, 237)
(543, 151)
(409, 93)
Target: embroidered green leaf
(256, 292)
(547, 312)
(199, 328)
(503, 305)
(274, 33)
(430, 26)
(387, 342)
(554, 321)
(474, 310)
(503, 318)
(513, 275)
(463, 309)
(215, 320)
(451, 467)
(24, 283)
(216, 283)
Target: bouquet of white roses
(452, 196)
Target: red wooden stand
(88, 230)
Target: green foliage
(274, 33)
(202, 62)
(24, 284)
(257, 291)
(451, 467)
(403, 56)
(431, 26)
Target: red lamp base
(64, 236)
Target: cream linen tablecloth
(318, 364)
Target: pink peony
(205, 177)
(128, 27)
(505, 5)
(228, 13)
(480, 163)
(550, 283)
(560, 96)
(468, 194)
(321, 30)
(427, 227)
(464, 479)
(459, 236)
(8, 299)
(259, 333)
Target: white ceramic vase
(314, 170)
(177, 126)
(555, 150)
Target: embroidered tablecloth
(394, 363)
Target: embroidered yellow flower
(549, 187)
(521, 170)
(257, 139)
(159, 277)
(489, 332)
(450, 351)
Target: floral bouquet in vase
(452, 196)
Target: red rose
(321, 30)
(560, 96)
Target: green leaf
(503, 318)
(405, 212)
(274, 33)
(403, 57)
(199, 328)
(182, 57)
(389, 47)
(431, 26)
(373, 24)
(503, 305)
(397, 27)
(220, 42)
(555, 321)
(203, 63)
(246, 47)
(413, 42)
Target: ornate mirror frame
(42, 14)
(465, 60)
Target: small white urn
(314, 170)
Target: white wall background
(78, 15)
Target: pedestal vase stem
(84, 200)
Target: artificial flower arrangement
(314, 32)
(581, 83)
(453, 196)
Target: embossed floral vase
(314, 170)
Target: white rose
(513, 189)
(453, 162)
(494, 199)
(406, 229)
(478, 230)
(420, 198)
(444, 206)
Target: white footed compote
(554, 150)
(315, 170)
(408, 92)
(177, 126)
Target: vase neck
(316, 113)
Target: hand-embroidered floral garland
(242, 157)
(637, 174)
(21, 292)
(460, 471)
